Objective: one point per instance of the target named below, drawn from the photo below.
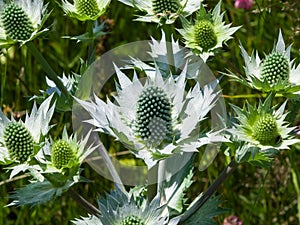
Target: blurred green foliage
(257, 196)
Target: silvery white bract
(207, 33)
(163, 11)
(123, 208)
(156, 119)
(36, 123)
(277, 72)
(21, 21)
(85, 9)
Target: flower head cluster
(21, 140)
(156, 119)
(21, 20)
(275, 73)
(163, 11)
(262, 130)
(123, 208)
(85, 9)
(207, 33)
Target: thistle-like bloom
(68, 152)
(275, 73)
(52, 178)
(122, 208)
(156, 119)
(207, 33)
(19, 140)
(263, 130)
(85, 9)
(21, 21)
(243, 4)
(163, 11)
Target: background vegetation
(257, 196)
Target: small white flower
(207, 33)
(85, 9)
(21, 20)
(156, 119)
(21, 140)
(276, 72)
(163, 11)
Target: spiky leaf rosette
(16, 22)
(163, 11)
(153, 116)
(260, 132)
(275, 73)
(165, 6)
(85, 9)
(61, 154)
(18, 141)
(207, 32)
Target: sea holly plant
(163, 11)
(56, 171)
(160, 111)
(157, 119)
(85, 9)
(261, 132)
(277, 72)
(207, 33)
(20, 141)
(21, 21)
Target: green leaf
(205, 215)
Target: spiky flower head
(122, 208)
(21, 20)
(61, 154)
(163, 11)
(275, 73)
(18, 141)
(153, 121)
(261, 130)
(156, 119)
(207, 33)
(85, 9)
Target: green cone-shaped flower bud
(275, 67)
(265, 130)
(153, 116)
(16, 22)
(132, 220)
(87, 8)
(205, 36)
(61, 154)
(18, 141)
(165, 6)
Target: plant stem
(83, 202)
(152, 182)
(3, 79)
(91, 55)
(48, 69)
(210, 191)
(170, 54)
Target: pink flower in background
(232, 220)
(243, 4)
